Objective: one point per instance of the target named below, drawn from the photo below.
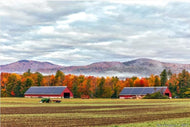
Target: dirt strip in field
(82, 109)
(58, 109)
(72, 122)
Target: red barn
(139, 92)
(49, 91)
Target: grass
(95, 112)
(180, 122)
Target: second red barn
(139, 92)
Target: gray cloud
(83, 32)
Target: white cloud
(3, 40)
(148, 2)
(75, 33)
(4, 59)
(110, 10)
(99, 44)
(81, 16)
(46, 30)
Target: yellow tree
(151, 80)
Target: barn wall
(67, 91)
(131, 96)
(168, 91)
(41, 96)
(126, 96)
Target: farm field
(18, 112)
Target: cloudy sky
(69, 32)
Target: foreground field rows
(95, 112)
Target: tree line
(15, 85)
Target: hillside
(23, 65)
(138, 67)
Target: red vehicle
(85, 96)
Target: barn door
(167, 94)
(66, 95)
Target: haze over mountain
(139, 67)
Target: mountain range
(139, 67)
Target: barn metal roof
(142, 90)
(45, 90)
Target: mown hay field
(20, 112)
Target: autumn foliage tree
(94, 87)
(59, 77)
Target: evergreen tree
(169, 73)
(183, 78)
(75, 88)
(100, 89)
(184, 83)
(134, 78)
(17, 88)
(28, 73)
(39, 78)
(27, 84)
(115, 87)
(187, 93)
(173, 89)
(163, 77)
(12, 80)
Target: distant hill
(139, 67)
(149, 66)
(23, 65)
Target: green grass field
(18, 112)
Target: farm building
(139, 92)
(49, 91)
